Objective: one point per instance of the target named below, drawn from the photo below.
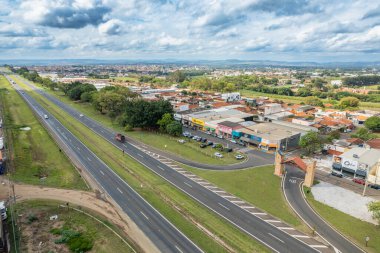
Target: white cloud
(111, 27)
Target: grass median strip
(197, 222)
(189, 150)
(353, 228)
(36, 157)
(257, 186)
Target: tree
(166, 119)
(373, 123)
(75, 93)
(174, 128)
(310, 142)
(349, 102)
(313, 101)
(374, 208)
(334, 135)
(177, 76)
(363, 133)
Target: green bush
(80, 244)
(32, 218)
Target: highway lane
(277, 240)
(161, 232)
(294, 177)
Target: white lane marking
(188, 185)
(88, 159)
(229, 197)
(224, 206)
(204, 183)
(318, 246)
(247, 207)
(180, 251)
(237, 201)
(101, 172)
(285, 228)
(78, 148)
(160, 167)
(272, 220)
(146, 217)
(119, 190)
(140, 155)
(258, 213)
(219, 191)
(276, 237)
(301, 236)
(211, 187)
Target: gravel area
(344, 200)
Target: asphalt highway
(294, 177)
(161, 232)
(275, 239)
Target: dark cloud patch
(70, 17)
(372, 13)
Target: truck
(120, 137)
(3, 210)
(1, 143)
(2, 163)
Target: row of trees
(35, 77)
(361, 80)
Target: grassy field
(125, 79)
(351, 227)
(182, 211)
(294, 99)
(39, 230)
(190, 151)
(257, 186)
(35, 153)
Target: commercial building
(357, 161)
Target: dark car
(210, 143)
(375, 186)
(337, 174)
(359, 181)
(203, 140)
(227, 150)
(203, 145)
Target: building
(231, 97)
(225, 128)
(357, 161)
(336, 82)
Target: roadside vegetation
(36, 158)
(72, 231)
(353, 228)
(187, 215)
(257, 186)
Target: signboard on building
(350, 164)
(198, 122)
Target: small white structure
(336, 82)
(231, 97)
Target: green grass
(353, 228)
(125, 78)
(181, 210)
(294, 99)
(34, 151)
(190, 151)
(104, 240)
(257, 186)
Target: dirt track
(85, 199)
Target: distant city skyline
(287, 30)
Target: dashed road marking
(318, 246)
(286, 228)
(180, 251)
(88, 159)
(101, 172)
(237, 201)
(272, 220)
(140, 155)
(276, 237)
(188, 185)
(146, 217)
(301, 236)
(224, 206)
(119, 190)
(248, 207)
(258, 213)
(160, 167)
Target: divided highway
(269, 235)
(158, 229)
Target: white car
(239, 157)
(218, 155)
(233, 141)
(45, 116)
(80, 115)
(181, 141)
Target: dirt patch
(85, 199)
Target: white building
(336, 82)
(231, 97)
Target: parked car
(233, 141)
(359, 181)
(203, 145)
(220, 136)
(45, 116)
(374, 186)
(227, 150)
(199, 138)
(203, 140)
(337, 174)
(181, 141)
(208, 132)
(239, 157)
(195, 137)
(219, 155)
(210, 143)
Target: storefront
(198, 123)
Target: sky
(280, 30)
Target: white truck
(3, 210)
(1, 143)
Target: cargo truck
(120, 137)
(3, 210)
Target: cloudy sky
(292, 30)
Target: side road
(83, 199)
(293, 192)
